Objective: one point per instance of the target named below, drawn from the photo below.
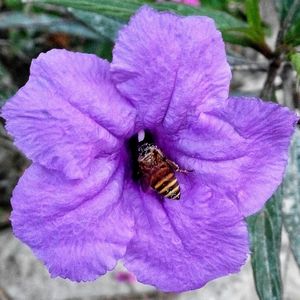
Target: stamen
(141, 135)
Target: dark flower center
(152, 168)
(137, 148)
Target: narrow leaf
(124, 9)
(13, 4)
(233, 29)
(289, 13)
(292, 37)
(105, 26)
(254, 19)
(224, 21)
(284, 6)
(265, 234)
(217, 4)
(7, 87)
(43, 22)
(291, 202)
(111, 8)
(295, 59)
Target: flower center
(152, 168)
(137, 144)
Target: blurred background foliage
(260, 44)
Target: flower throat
(152, 168)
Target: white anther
(141, 135)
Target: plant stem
(280, 51)
(267, 91)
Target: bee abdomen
(168, 186)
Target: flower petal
(68, 113)
(168, 65)
(241, 150)
(78, 228)
(181, 245)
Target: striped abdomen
(165, 183)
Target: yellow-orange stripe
(161, 182)
(169, 185)
(176, 189)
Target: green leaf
(289, 12)
(13, 4)
(216, 4)
(7, 87)
(265, 235)
(224, 21)
(233, 29)
(291, 202)
(112, 8)
(295, 59)
(105, 26)
(283, 7)
(124, 9)
(43, 22)
(254, 19)
(102, 49)
(292, 37)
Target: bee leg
(176, 168)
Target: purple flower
(125, 277)
(78, 207)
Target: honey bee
(158, 172)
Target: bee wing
(176, 168)
(161, 157)
(144, 176)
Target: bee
(157, 171)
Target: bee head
(145, 143)
(140, 145)
(145, 149)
